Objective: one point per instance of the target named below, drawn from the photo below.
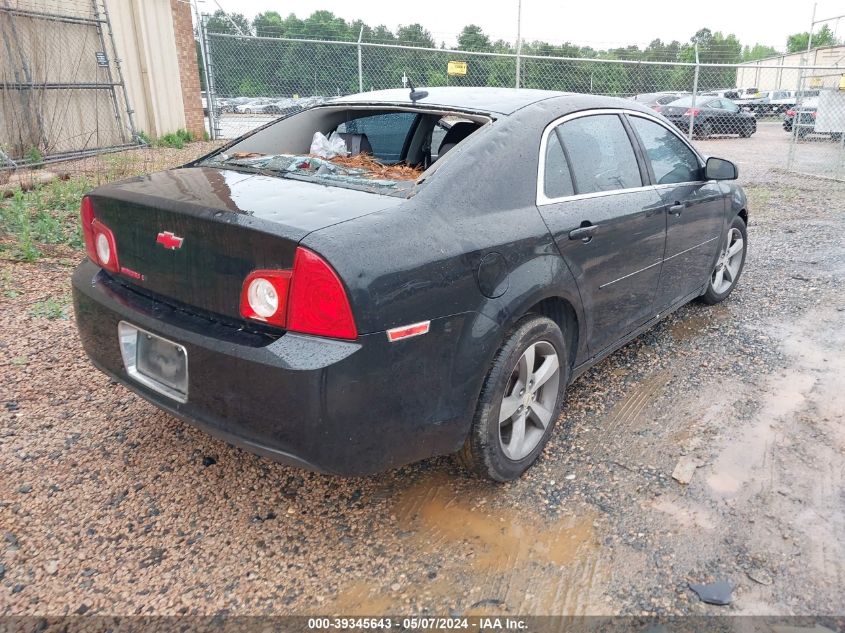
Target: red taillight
(692, 112)
(813, 114)
(309, 299)
(86, 213)
(318, 303)
(656, 108)
(265, 296)
(100, 245)
(790, 113)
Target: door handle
(584, 233)
(676, 209)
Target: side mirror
(720, 169)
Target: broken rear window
(376, 149)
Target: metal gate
(62, 93)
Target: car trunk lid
(194, 234)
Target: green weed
(50, 309)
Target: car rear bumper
(342, 407)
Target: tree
(382, 35)
(230, 24)
(472, 38)
(325, 25)
(268, 24)
(797, 42)
(414, 35)
(758, 51)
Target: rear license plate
(156, 362)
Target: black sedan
(656, 100)
(355, 312)
(710, 115)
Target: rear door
(734, 119)
(607, 221)
(695, 210)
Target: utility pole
(694, 94)
(812, 26)
(518, 40)
(360, 66)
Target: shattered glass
(317, 169)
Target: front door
(695, 211)
(609, 227)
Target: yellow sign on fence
(456, 68)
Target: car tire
(491, 449)
(747, 131)
(718, 287)
(706, 130)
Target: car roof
(499, 100)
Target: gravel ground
(108, 505)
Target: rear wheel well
(563, 314)
(743, 213)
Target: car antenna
(416, 95)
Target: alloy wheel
(529, 400)
(729, 263)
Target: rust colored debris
(375, 169)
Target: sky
(598, 23)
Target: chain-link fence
(798, 108)
(61, 90)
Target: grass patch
(176, 139)
(46, 216)
(50, 309)
(9, 290)
(34, 155)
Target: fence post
(694, 93)
(518, 43)
(209, 82)
(112, 57)
(796, 120)
(360, 71)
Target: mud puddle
(485, 559)
(696, 320)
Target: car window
(730, 106)
(385, 132)
(671, 159)
(557, 179)
(601, 153)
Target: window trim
(647, 161)
(566, 160)
(542, 199)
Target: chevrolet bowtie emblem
(169, 240)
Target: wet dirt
(493, 555)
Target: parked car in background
(710, 115)
(656, 100)
(780, 101)
(252, 106)
(352, 321)
(731, 94)
(801, 120)
(747, 101)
